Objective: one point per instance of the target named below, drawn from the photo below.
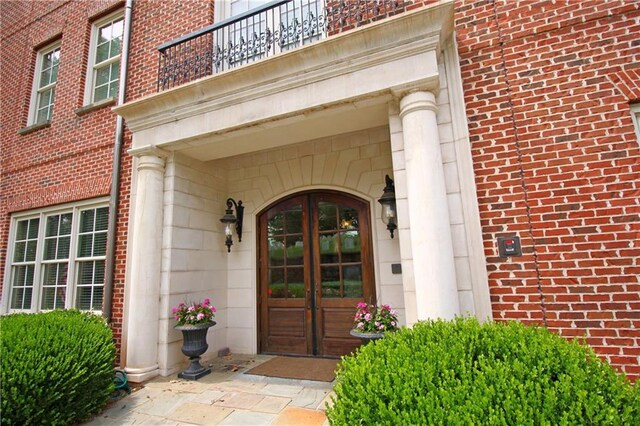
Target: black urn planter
(194, 344)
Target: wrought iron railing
(276, 27)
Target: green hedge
(57, 367)
(463, 373)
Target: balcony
(274, 28)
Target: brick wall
(547, 91)
(71, 159)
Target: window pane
(50, 246)
(65, 225)
(104, 34)
(352, 280)
(118, 28)
(22, 284)
(30, 255)
(33, 228)
(329, 248)
(276, 282)
(295, 283)
(350, 246)
(102, 52)
(102, 215)
(330, 276)
(100, 244)
(87, 220)
(275, 225)
(327, 216)
(54, 286)
(116, 47)
(294, 220)
(113, 90)
(100, 93)
(19, 251)
(45, 77)
(276, 251)
(42, 116)
(64, 244)
(90, 285)
(348, 218)
(295, 250)
(85, 245)
(45, 98)
(52, 225)
(21, 231)
(102, 76)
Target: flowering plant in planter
(194, 313)
(374, 319)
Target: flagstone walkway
(224, 397)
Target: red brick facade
(548, 87)
(71, 159)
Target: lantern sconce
(388, 201)
(229, 219)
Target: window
(635, 116)
(58, 259)
(104, 61)
(44, 84)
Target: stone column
(436, 289)
(145, 266)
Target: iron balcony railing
(275, 27)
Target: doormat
(303, 368)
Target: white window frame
(635, 117)
(91, 65)
(35, 90)
(73, 260)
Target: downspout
(115, 172)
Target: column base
(139, 375)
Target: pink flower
(191, 309)
(200, 316)
(360, 325)
(174, 310)
(367, 317)
(206, 301)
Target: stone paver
(245, 418)
(208, 397)
(309, 398)
(227, 396)
(200, 414)
(241, 400)
(281, 390)
(271, 404)
(295, 416)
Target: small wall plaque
(396, 268)
(509, 246)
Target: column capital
(418, 101)
(149, 150)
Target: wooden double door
(315, 265)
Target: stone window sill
(95, 106)
(34, 128)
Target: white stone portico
(339, 115)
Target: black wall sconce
(388, 201)
(229, 219)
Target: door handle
(308, 299)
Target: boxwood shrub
(461, 372)
(57, 367)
